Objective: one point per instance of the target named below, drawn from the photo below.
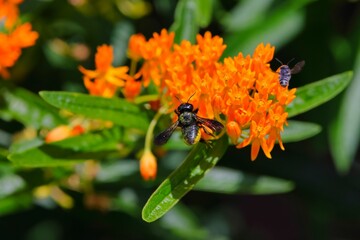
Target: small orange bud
(148, 166)
(58, 133)
(62, 132)
(234, 131)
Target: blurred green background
(325, 202)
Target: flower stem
(150, 131)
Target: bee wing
(214, 125)
(164, 136)
(297, 68)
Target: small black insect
(285, 71)
(190, 125)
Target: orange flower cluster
(105, 80)
(13, 37)
(242, 91)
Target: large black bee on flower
(190, 124)
(285, 71)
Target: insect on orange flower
(285, 71)
(190, 124)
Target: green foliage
(345, 129)
(223, 191)
(69, 151)
(27, 108)
(201, 159)
(116, 110)
(314, 94)
(230, 181)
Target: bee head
(185, 107)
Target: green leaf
(202, 158)
(15, 203)
(230, 181)
(204, 10)
(317, 93)
(246, 14)
(345, 129)
(276, 28)
(69, 151)
(185, 26)
(27, 108)
(116, 110)
(297, 131)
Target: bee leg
(207, 131)
(196, 111)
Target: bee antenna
(178, 99)
(290, 61)
(279, 61)
(190, 97)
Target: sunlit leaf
(185, 25)
(230, 181)
(297, 131)
(27, 108)
(317, 93)
(116, 110)
(69, 151)
(345, 129)
(201, 159)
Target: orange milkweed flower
(9, 10)
(105, 79)
(242, 89)
(14, 38)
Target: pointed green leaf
(185, 26)
(297, 131)
(201, 159)
(116, 110)
(230, 181)
(317, 93)
(345, 129)
(69, 151)
(27, 108)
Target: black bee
(285, 71)
(190, 125)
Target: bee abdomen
(284, 75)
(191, 134)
